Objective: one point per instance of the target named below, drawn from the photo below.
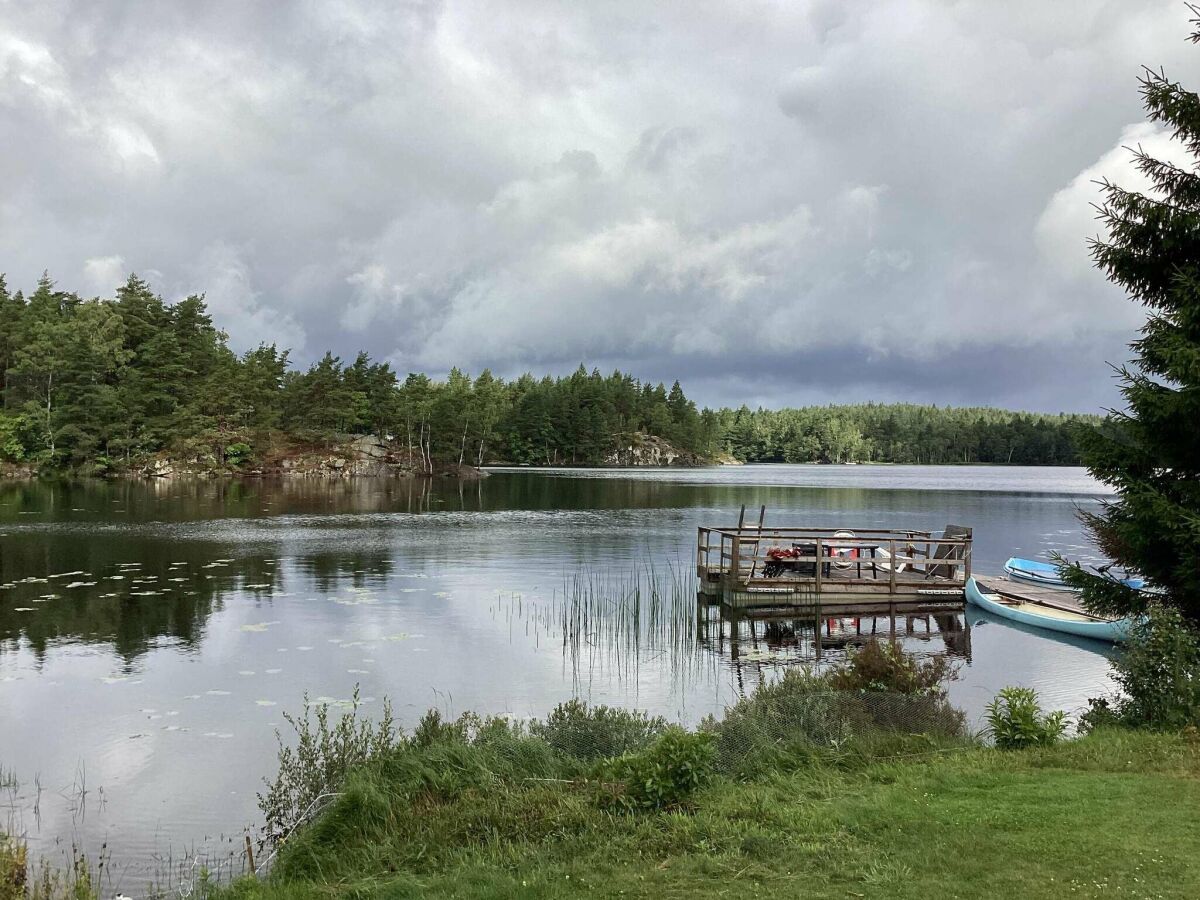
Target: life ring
(843, 557)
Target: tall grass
(618, 619)
(413, 802)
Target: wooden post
(820, 565)
(250, 855)
(735, 558)
(892, 569)
(762, 515)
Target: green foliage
(592, 732)
(238, 453)
(667, 773)
(898, 433)
(1150, 452)
(19, 880)
(1158, 672)
(837, 715)
(323, 756)
(1016, 720)
(473, 817)
(15, 435)
(884, 666)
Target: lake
(153, 633)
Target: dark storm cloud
(774, 202)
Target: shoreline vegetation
(859, 781)
(134, 385)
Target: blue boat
(1047, 615)
(1046, 574)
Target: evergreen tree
(1150, 452)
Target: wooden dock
(752, 566)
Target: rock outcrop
(363, 456)
(650, 450)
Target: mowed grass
(1113, 814)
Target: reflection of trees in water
(191, 499)
(331, 570)
(132, 624)
(519, 491)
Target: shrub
(324, 754)
(794, 716)
(1015, 720)
(237, 453)
(1159, 674)
(885, 667)
(595, 732)
(667, 773)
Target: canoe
(1041, 615)
(1034, 572)
(1046, 574)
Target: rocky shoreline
(364, 456)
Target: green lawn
(1111, 815)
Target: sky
(781, 203)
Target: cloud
(1071, 212)
(102, 275)
(876, 189)
(223, 276)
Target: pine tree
(1150, 452)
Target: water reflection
(756, 644)
(153, 629)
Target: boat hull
(1033, 572)
(1100, 630)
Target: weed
(665, 774)
(1159, 674)
(594, 732)
(1016, 721)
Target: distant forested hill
(98, 385)
(900, 433)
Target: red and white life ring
(843, 556)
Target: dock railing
(875, 560)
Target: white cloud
(529, 185)
(1070, 216)
(223, 276)
(102, 275)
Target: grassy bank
(859, 782)
(1111, 814)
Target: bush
(885, 667)
(595, 732)
(1015, 720)
(795, 716)
(1159, 674)
(237, 453)
(323, 756)
(665, 774)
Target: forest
(97, 386)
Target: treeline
(94, 385)
(900, 433)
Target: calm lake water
(151, 634)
